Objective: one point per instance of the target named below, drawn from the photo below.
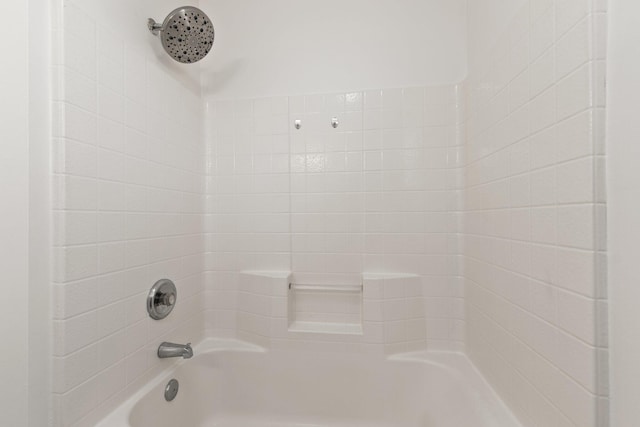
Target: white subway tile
(575, 181)
(576, 226)
(111, 135)
(80, 54)
(575, 92)
(569, 13)
(76, 123)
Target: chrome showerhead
(187, 34)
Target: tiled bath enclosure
(456, 216)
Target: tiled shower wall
(535, 214)
(389, 314)
(383, 192)
(379, 193)
(127, 190)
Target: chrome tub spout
(168, 349)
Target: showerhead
(187, 34)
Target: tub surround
(379, 193)
(127, 202)
(380, 313)
(535, 209)
(439, 216)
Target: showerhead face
(187, 34)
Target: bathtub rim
(119, 416)
(454, 363)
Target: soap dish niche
(324, 308)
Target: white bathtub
(234, 384)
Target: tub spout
(168, 349)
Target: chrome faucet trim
(168, 349)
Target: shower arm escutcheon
(154, 26)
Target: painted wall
(488, 19)
(535, 209)
(127, 202)
(290, 47)
(14, 227)
(623, 188)
(24, 233)
(39, 213)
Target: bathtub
(234, 384)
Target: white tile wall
(535, 296)
(262, 304)
(504, 190)
(128, 210)
(327, 197)
(413, 198)
(247, 186)
(379, 193)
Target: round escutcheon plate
(162, 298)
(171, 390)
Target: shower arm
(154, 27)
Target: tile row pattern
(379, 193)
(127, 210)
(535, 289)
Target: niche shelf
(325, 309)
